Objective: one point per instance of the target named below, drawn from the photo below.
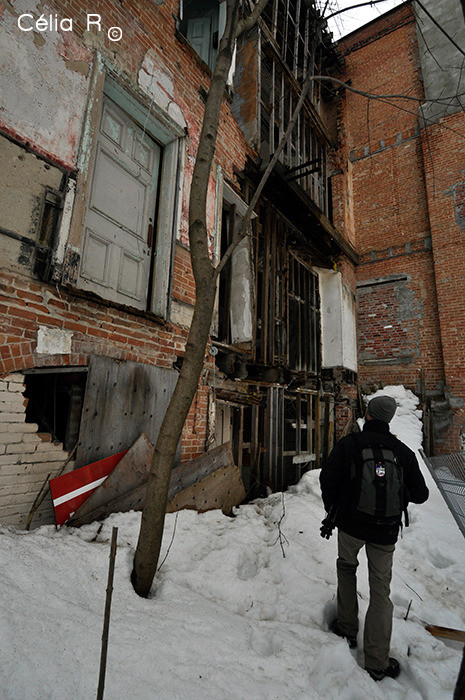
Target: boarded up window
(122, 400)
(235, 311)
(388, 321)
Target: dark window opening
(48, 229)
(55, 403)
(287, 301)
(224, 316)
(199, 24)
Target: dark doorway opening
(55, 402)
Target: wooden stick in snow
(106, 621)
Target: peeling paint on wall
(36, 79)
(156, 82)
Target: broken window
(55, 403)
(305, 153)
(290, 23)
(48, 230)
(237, 424)
(286, 56)
(288, 298)
(304, 317)
(200, 23)
(297, 428)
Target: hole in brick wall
(55, 403)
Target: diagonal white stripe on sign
(77, 492)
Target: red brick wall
(382, 192)
(400, 194)
(25, 305)
(444, 159)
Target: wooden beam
(446, 633)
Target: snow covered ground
(230, 616)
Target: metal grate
(448, 471)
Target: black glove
(327, 527)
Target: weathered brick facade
(152, 60)
(98, 140)
(399, 197)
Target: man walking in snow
(366, 483)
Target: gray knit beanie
(382, 408)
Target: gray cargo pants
(378, 620)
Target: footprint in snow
(264, 643)
(247, 566)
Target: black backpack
(376, 484)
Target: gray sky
(346, 22)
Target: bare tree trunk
(153, 514)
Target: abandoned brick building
(402, 172)
(99, 127)
(98, 140)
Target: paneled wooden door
(119, 226)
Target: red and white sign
(69, 491)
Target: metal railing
(448, 471)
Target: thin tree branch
(245, 24)
(171, 542)
(373, 95)
(281, 536)
(428, 50)
(428, 148)
(352, 7)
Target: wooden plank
(130, 472)
(196, 469)
(133, 500)
(230, 490)
(121, 401)
(222, 489)
(446, 632)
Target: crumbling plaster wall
(22, 201)
(39, 72)
(441, 61)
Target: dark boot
(391, 671)
(351, 639)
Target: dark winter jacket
(334, 481)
